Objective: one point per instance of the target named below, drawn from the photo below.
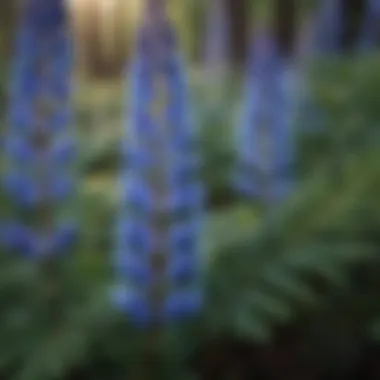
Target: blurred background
(294, 299)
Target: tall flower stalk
(265, 134)
(157, 250)
(370, 30)
(38, 144)
(324, 38)
(328, 27)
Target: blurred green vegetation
(310, 268)
(312, 265)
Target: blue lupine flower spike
(369, 37)
(157, 251)
(328, 27)
(38, 145)
(323, 36)
(265, 134)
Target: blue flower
(183, 303)
(328, 27)
(183, 268)
(181, 238)
(370, 29)
(135, 237)
(22, 189)
(265, 134)
(16, 237)
(132, 303)
(37, 144)
(161, 193)
(44, 16)
(138, 196)
(18, 150)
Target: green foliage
(313, 260)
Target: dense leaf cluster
(311, 263)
